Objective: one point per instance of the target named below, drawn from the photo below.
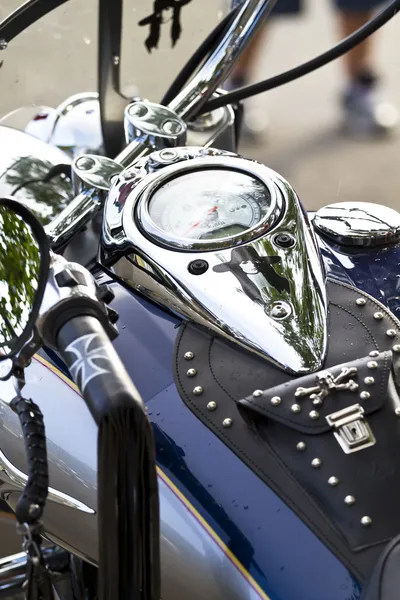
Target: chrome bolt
(361, 301)
(375, 353)
(227, 422)
(3, 44)
(378, 316)
(397, 412)
(138, 110)
(316, 463)
(211, 405)
(396, 348)
(191, 372)
(317, 401)
(333, 481)
(391, 333)
(168, 155)
(314, 414)
(85, 163)
(257, 393)
(369, 380)
(365, 395)
(349, 500)
(372, 364)
(280, 310)
(275, 401)
(198, 390)
(295, 408)
(172, 127)
(188, 355)
(366, 521)
(301, 446)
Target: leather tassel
(128, 507)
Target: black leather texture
(280, 443)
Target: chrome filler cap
(358, 224)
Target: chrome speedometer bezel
(228, 163)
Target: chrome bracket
(350, 429)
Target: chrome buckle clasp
(350, 429)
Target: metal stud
(188, 356)
(361, 301)
(372, 364)
(257, 393)
(391, 332)
(378, 316)
(375, 353)
(211, 405)
(396, 348)
(301, 446)
(366, 521)
(317, 401)
(295, 408)
(333, 481)
(191, 372)
(397, 412)
(365, 395)
(314, 414)
(349, 500)
(369, 380)
(316, 463)
(227, 422)
(275, 401)
(198, 390)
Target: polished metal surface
(11, 472)
(23, 158)
(351, 429)
(91, 171)
(235, 295)
(219, 64)
(359, 224)
(155, 126)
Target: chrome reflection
(245, 290)
(20, 479)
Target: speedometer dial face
(212, 204)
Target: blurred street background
(57, 57)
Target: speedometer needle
(209, 212)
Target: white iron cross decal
(328, 383)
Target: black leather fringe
(128, 507)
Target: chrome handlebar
(214, 72)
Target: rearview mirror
(24, 266)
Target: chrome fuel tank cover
(358, 224)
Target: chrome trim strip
(19, 478)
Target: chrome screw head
(227, 422)
(211, 405)
(349, 500)
(369, 380)
(378, 316)
(365, 395)
(295, 408)
(317, 401)
(191, 372)
(316, 463)
(372, 364)
(397, 412)
(188, 356)
(3, 44)
(366, 521)
(333, 481)
(391, 333)
(374, 353)
(314, 414)
(275, 401)
(198, 390)
(361, 301)
(396, 348)
(257, 393)
(301, 446)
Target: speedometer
(213, 204)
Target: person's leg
(362, 112)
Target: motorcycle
(199, 379)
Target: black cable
(312, 65)
(199, 55)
